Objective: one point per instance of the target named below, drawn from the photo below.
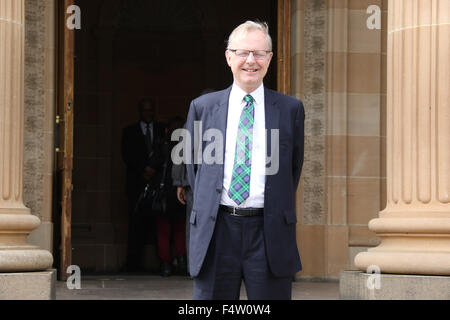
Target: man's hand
(181, 195)
(148, 173)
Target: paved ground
(136, 287)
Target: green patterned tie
(240, 182)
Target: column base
(25, 260)
(414, 263)
(28, 285)
(353, 285)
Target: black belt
(242, 212)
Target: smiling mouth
(250, 70)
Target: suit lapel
(139, 134)
(220, 116)
(272, 115)
(272, 119)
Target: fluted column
(16, 221)
(415, 226)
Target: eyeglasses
(257, 54)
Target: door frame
(284, 46)
(64, 136)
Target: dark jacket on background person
(136, 157)
(174, 208)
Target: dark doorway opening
(166, 50)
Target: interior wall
(169, 51)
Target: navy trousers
(237, 253)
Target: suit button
(218, 190)
(213, 218)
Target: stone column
(415, 226)
(16, 221)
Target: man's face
(248, 73)
(147, 112)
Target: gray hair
(242, 30)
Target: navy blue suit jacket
(282, 112)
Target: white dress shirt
(258, 176)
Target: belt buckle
(234, 212)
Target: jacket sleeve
(298, 152)
(179, 177)
(190, 165)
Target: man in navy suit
(243, 221)
(141, 152)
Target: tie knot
(248, 98)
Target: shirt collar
(239, 94)
(144, 125)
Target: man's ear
(228, 57)
(270, 58)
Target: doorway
(166, 50)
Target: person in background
(184, 196)
(172, 222)
(141, 152)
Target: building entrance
(165, 50)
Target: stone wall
(40, 97)
(339, 73)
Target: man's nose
(250, 58)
